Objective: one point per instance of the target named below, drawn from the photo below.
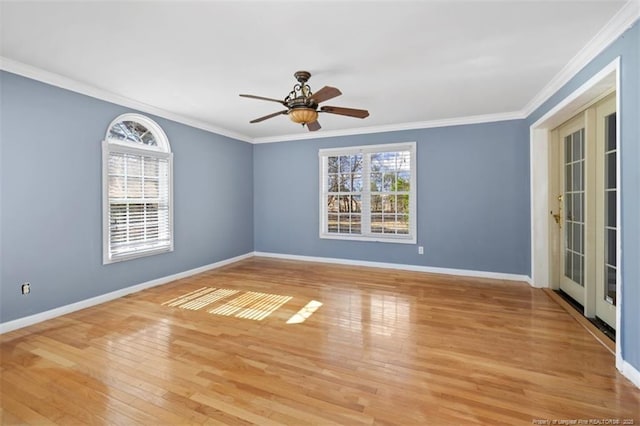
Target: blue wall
(51, 223)
(472, 193)
(627, 47)
(231, 198)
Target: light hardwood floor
(385, 347)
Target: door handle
(558, 216)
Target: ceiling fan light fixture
(303, 115)
(302, 104)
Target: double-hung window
(137, 189)
(369, 193)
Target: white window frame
(161, 151)
(367, 235)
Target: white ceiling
(404, 61)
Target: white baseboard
(630, 372)
(8, 326)
(402, 266)
(625, 368)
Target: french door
(587, 209)
(572, 199)
(607, 200)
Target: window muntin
(137, 170)
(132, 131)
(368, 193)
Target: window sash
(370, 222)
(137, 197)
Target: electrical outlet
(420, 250)
(26, 288)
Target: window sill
(396, 240)
(137, 255)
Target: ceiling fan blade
(257, 120)
(351, 112)
(326, 93)
(264, 99)
(313, 126)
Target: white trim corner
(630, 372)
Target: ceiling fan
(302, 104)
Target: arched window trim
(112, 147)
(159, 134)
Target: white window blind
(368, 193)
(137, 194)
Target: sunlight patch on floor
(189, 296)
(248, 305)
(208, 299)
(252, 305)
(305, 312)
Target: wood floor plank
(382, 347)
(22, 411)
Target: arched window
(137, 189)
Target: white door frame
(540, 137)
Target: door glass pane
(576, 147)
(610, 132)
(578, 208)
(610, 209)
(610, 170)
(577, 176)
(574, 206)
(577, 237)
(577, 268)
(580, 277)
(568, 206)
(610, 244)
(610, 283)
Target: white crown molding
(58, 80)
(621, 22)
(8, 326)
(400, 266)
(447, 122)
(617, 25)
